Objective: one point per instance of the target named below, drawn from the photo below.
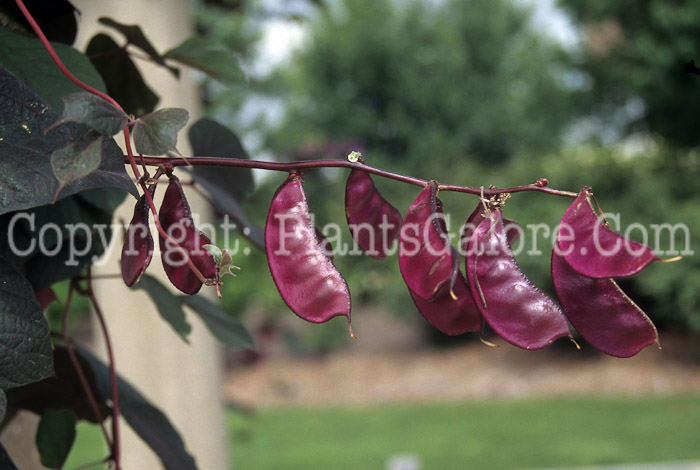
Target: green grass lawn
(474, 435)
(485, 435)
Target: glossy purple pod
(176, 219)
(593, 249)
(601, 312)
(373, 221)
(514, 307)
(450, 316)
(137, 251)
(306, 278)
(512, 228)
(427, 260)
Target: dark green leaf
(167, 304)
(124, 81)
(210, 139)
(54, 242)
(25, 343)
(224, 185)
(210, 57)
(28, 137)
(77, 160)
(145, 419)
(6, 462)
(156, 133)
(3, 406)
(55, 436)
(134, 35)
(224, 327)
(27, 59)
(57, 18)
(94, 111)
(64, 390)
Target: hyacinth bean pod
(427, 260)
(138, 244)
(601, 312)
(593, 249)
(373, 221)
(515, 308)
(309, 283)
(512, 228)
(450, 316)
(176, 219)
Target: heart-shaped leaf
(77, 161)
(124, 81)
(55, 436)
(95, 112)
(26, 59)
(28, 138)
(135, 36)
(156, 132)
(210, 57)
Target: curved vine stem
(305, 165)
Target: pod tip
(488, 343)
(453, 295)
(352, 335)
(575, 343)
(671, 260)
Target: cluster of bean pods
(494, 290)
(183, 245)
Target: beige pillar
(183, 380)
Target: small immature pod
(138, 244)
(601, 312)
(176, 219)
(593, 249)
(515, 308)
(450, 316)
(306, 278)
(426, 258)
(373, 221)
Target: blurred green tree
(419, 81)
(634, 54)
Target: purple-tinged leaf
(426, 258)
(156, 132)
(28, 138)
(94, 112)
(176, 219)
(373, 221)
(137, 250)
(306, 278)
(513, 306)
(63, 390)
(601, 312)
(76, 161)
(25, 343)
(593, 249)
(450, 316)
